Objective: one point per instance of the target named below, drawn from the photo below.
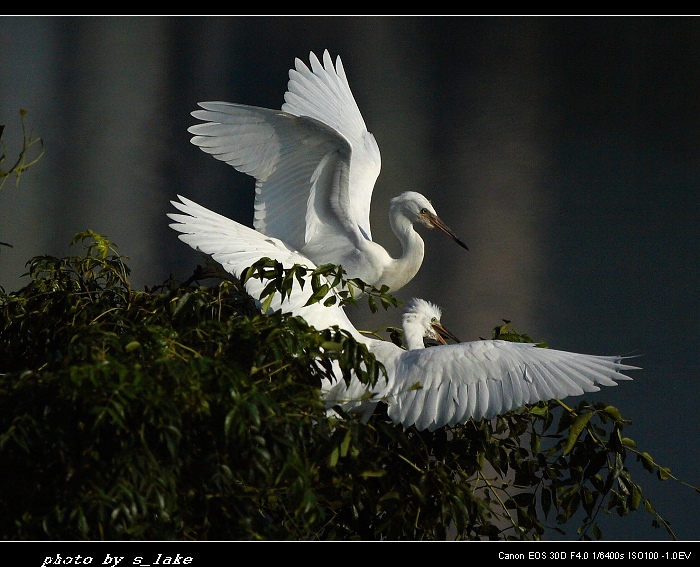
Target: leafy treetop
(182, 412)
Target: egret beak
(442, 334)
(433, 221)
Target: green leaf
(346, 444)
(319, 294)
(647, 461)
(575, 431)
(613, 412)
(333, 457)
(664, 473)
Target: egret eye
(424, 212)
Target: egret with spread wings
(315, 166)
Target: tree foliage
(182, 412)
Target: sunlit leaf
(575, 430)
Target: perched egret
(448, 384)
(424, 387)
(315, 165)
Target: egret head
(421, 320)
(417, 209)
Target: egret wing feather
(487, 372)
(323, 93)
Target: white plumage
(425, 387)
(315, 166)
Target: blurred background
(565, 152)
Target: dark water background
(564, 151)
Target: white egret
(315, 165)
(448, 384)
(425, 387)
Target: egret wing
(300, 166)
(237, 247)
(323, 92)
(482, 379)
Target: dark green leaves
(328, 284)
